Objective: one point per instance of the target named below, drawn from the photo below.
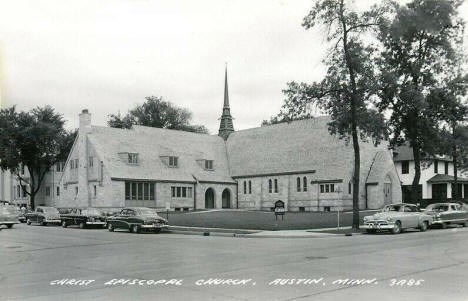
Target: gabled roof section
(297, 147)
(445, 179)
(405, 153)
(151, 144)
(378, 168)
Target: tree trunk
(417, 173)
(357, 168)
(32, 198)
(455, 196)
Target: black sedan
(136, 219)
(83, 217)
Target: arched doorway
(209, 198)
(226, 197)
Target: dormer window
(132, 158)
(173, 161)
(209, 164)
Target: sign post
(168, 206)
(279, 209)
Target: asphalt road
(426, 266)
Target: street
(38, 263)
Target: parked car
(83, 217)
(43, 215)
(445, 214)
(9, 215)
(397, 217)
(136, 219)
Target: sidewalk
(311, 233)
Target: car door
(131, 217)
(454, 213)
(121, 220)
(36, 216)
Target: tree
(156, 112)
(418, 44)
(35, 140)
(349, 86)
(450, 109)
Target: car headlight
(389, 219)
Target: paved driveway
(31, 257)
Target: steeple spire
(226, 127)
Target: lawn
(260, 220)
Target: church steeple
(226, 126)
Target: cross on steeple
(226, 127)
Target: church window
(304, 185)
(270, 186)
(276, 185)
(132, 158)
(298, 180)
(250, 187)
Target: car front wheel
(110, 227)
(82, 225)
(397, 228)
(424, 226)
(157, 230)
(28, 221)
(135, 229)
(10, 226)
(443, 225)
(64, 224)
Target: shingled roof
(300, 146)
(151, 144)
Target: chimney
(85, 121)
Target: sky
(108, 55)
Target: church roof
(153, 143)
(296, 147)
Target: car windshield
(146, 211)
(50, 210)
(438, 208)
(90, 211)
(392, 208)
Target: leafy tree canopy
(156, 112)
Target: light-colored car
(43, 215)
(448, 213)
(9, 215)
(397, 217)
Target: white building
(437, 176)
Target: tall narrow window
(173, 190)
(95, 190)
(250, 187)
(76, 190)
(350, 187)
(446, 168)
(140, 191)
(269, 186)
(189, 192)
(436, 166)
(304, 184)
(276, 185)
(179, 192)
(245, 187)
(184, 192)
(298, 184)
(146, 191)
(90, 161)
(322, 188)
(134, 191)
(405, 167)
(151, 187)
(58, 190)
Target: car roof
(136, 208)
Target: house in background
(12, 191)
(437, 177)
(298, 163)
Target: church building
(299, 163)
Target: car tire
(44, 224)
(157, 230)
(9, 226)
(424, 226)
(64, 224)
(397, 228)
(443, 226)
(465, 224)
(28, 222)
(82, 225)
(110, 227)
(135, 229)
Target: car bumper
(155, 226)
(53, 221)
(388, 226)
(9, 222)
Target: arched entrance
(209, 198)
(226, 197)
